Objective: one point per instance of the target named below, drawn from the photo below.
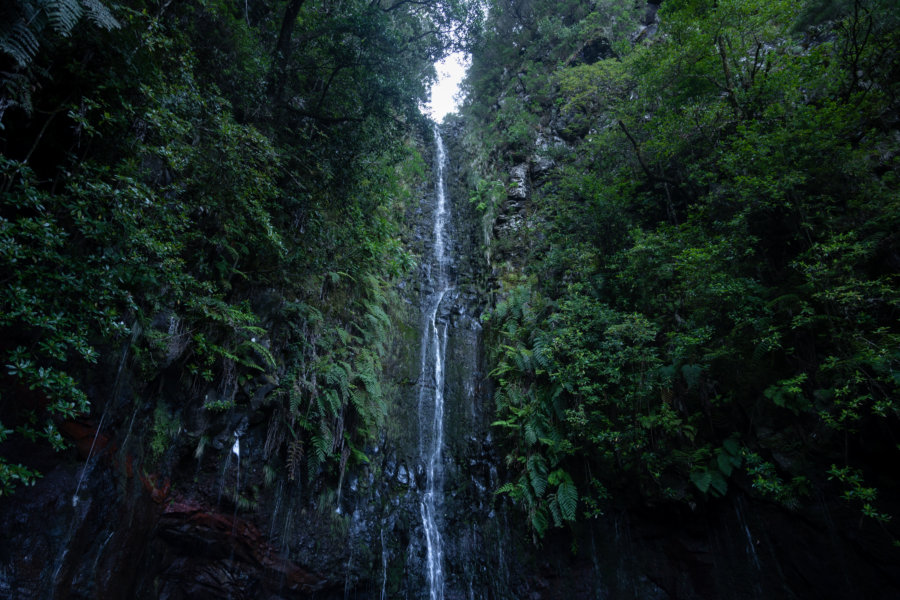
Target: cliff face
(737, 547)
(639, 269)
(187, 503)
(209, 524)
(203, 520)
(202, 244)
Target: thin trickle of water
(751, 547)
(87, 461)
(431, 390)
(347, 579)
(384, 567)
(236, 450)
(116, 384)
(222, 479)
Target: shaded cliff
(185, 502)
(685, 403)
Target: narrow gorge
(624, 326)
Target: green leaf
(537, 474)
(725, 464)
(702, 479)
(567, 496)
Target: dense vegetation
(215, 189)
(701, 291)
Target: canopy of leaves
(709, 292)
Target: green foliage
(767, 481)
(708, 281)
(166, 428)
(788, 393)
(855, 491)
(12, 475)
(223, 194)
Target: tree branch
(637, 151)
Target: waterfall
(431, 387)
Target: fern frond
(508, 488)
(539, 521)
(378, 317)
(63, 15)
(523, 358)
(19, 41)
(567, 497)
(23, 25)
(337, 375)
(323, 442)
(531, 434)
(537, 474)
(329, 404)
(294, 456)
(100, 15)
(262, 351)
(295, 397)
(555, 512)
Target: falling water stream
(431, 390)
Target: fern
(295, 397)
(539, 521)
(531, 435)
(63, 15)
(262, 351)
(509, 488)
(294, 456)
(269, 475)
(343, 335)
(100, 15)
(338, 376)
(22, 24)
(542, 354)
(329, 404)
(567, 498)
(537, 474)
(365, 370)
(523, 359)
(555, 512)
(20, 41)
(323, 443)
